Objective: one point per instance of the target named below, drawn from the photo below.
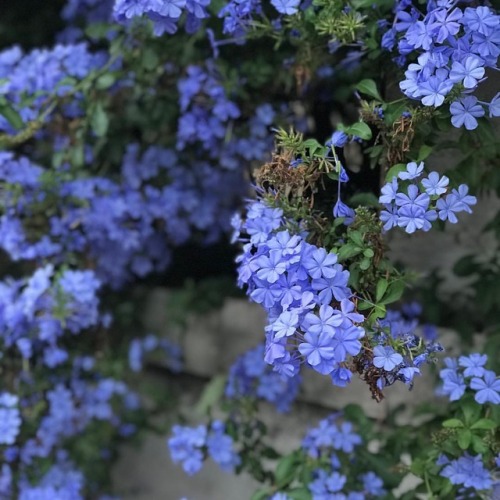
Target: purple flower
(465, 111)
(320, 264)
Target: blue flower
(339, 139)
(465, 111)
(342, 210)
(288, 7)
(318, 351)
(435, 185)
(474, 364)
(487, 389)
(467, 73)
(413, 171)
(386, 357)
(389, 191)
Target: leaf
(11, 115)
(369, 253)
(464, 439)
(285, 470)
(149, 60)
(360, 129)
(369, 87)
(484, 424)
(478, 445)
(424, 152)
(364, 305)
(105, 81)
(357, 238)
(364, 200)
(365, 264)
(99, 121)
(453, 423)
(348, 251)
(393, 111)
(260, 495)
(212, 393)
(299, 494)
(381, 289)
(394, 171)
(394, 292)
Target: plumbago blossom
(27, 81)
(468, 373)
(414, 203)
(461, 378)
(454, 45)
(250, 376)
(312, 313)
(191, 446)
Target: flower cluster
(206, 115)
(467, 471)
(298, 283)
(470, 372)
(335, 445)
(28, 79)
(455, 46)
(250, 376)
(398, 352)
(125, 227)
(414, 204)
(164, 15)
(192, 445)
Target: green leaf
(424, 152)
(299, 494)
(348, 251)
(285, 470)
(464, 439)
(369, 253)
(357, 238)
(484, 424)
(453, 423)
(394, 171)
(105, 81)
(478, 445)
(393, 111)
(365, 264)
(99, 121)
(471, 411)
(260, 495)
(363, 200)
(381, 289)
(11, 115)
(394, 292)
(364, 305)
(360, 129)
(369, 87)
(212, 393)
(150, 60)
